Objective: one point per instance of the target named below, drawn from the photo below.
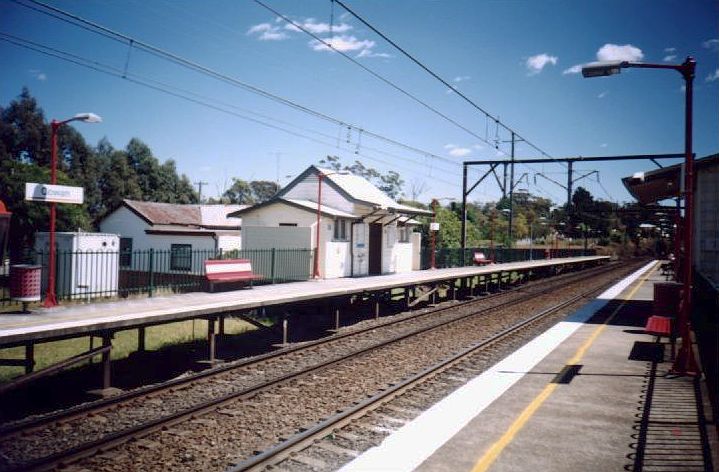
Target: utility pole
(570, 181)
(511, 192)
(199, 185)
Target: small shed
(87, 263)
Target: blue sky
(513, 58)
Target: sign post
(52, 194)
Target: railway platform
(329, 297)
(591, 393)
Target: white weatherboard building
(361, 230)
(180, 229)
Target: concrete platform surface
(43, 324)
(590, 394)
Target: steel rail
(308, 437)
(98, 406)
(64, 458)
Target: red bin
(25, 280)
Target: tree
(390, 183)
(25, 134)
(263, 190)
(239, 192)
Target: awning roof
(661, 184)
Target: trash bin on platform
(666, 299)
(25, 280)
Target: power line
(195, 98)
(96, 28)
(374, 74)
(436, 76)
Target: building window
(341, 230)
(180, 257)
(404, 232)
(125, 252)
(288, 224)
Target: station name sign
(53, 193)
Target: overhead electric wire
(158, 52)
(436, 76)
(375, 74)
(178, 93)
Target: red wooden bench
(661, 326)
(229, 270)
(480, 259)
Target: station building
(361, 230)
(178, 228)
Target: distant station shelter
(361, 230)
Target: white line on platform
(415, 442)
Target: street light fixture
(50, 296)
(685, 362)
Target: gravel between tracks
(218, 439)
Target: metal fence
(87, 275)
(452, 257)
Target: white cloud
(42, 77)
(615, 52)
(315, 27)
(343, 43)
(267, 32)
(711, 44)
(369, 53)
(461, 78)
(535, 64)
(683, 88)
(477, 146)
(457, 151)
(670, 50)
(669, 58)
(603, 145)
(713, 77)
(603, 94)
(575, 69)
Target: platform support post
(284, 331)
(376, 306)
(406, 298)
(29, 357)
(222, 326)
(106, 341)
(211, 339)
(140, 339)
(337, 319)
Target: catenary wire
(178, 93)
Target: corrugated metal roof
(660, 184)
(310, 205)
(196, 216)
(362, 189)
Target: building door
(375, 249)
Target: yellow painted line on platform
(486, 461)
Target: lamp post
(685, 362)
(320, 175)
(50, 296)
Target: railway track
(331, 443)
(85, 431)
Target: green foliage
(107, 175)
(390, 183)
